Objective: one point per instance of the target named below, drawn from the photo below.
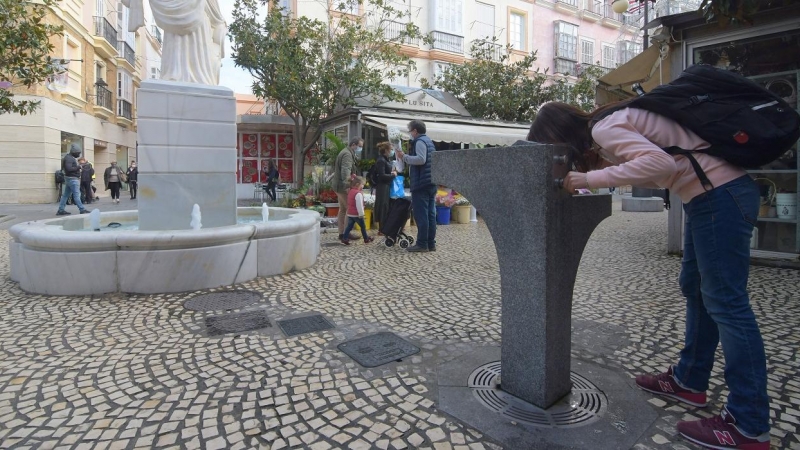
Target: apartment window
(347, 6)
(286, 5)
(608, 56)
(72, 51)
(627, 50)
(124, 86)
(587, 51)
(99, 71)
(100, 8)
(566, 41)
(439, 68)
(449, 16)
(155, 72)
(516, 30)
(484, 25)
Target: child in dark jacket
(355, 211)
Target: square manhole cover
(237, 323)
(307, 324)
(378, 349)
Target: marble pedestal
(187, 154)
(539, 231)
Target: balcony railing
(393, 31)
(610, 14)
(593, 6)
(490, 50)
(568, 2)
(104, 98)
(447, 42)
(127, 52)
(157, 34)
(124, 109)
(580, 68)
(104, 29)
(565, 66)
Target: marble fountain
(186, 157)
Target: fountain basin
(59, 257)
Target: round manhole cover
(585, 403)
(222, 300)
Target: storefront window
(67, 139)
(774, 62)
(254, 150)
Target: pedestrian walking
(133, 179)
(72, 181)
(384, 177)
(344, 169)
(87, 173)
(625, 148)
(272, 175)
(113, 178)
(423, 190)
(355, 211)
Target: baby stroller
(392, 227)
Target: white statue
(194, 37)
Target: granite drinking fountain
(530, 392)
(187, 158)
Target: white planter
(787, 205)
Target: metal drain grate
(378, 349)
(237, 323)
(584, 405)
(222, 300)
(307, 324)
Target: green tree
(492, 86)
(313, 68)
(24, 50)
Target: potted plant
(443, 205)
(460, 213)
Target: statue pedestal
(187, 154)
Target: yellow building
(92, 103)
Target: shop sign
(419, 101)
(100, 144)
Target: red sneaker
(720, 432)
(665, 384)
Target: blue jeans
(351, 222)
(423, 205)
(72, 186)
(716, 262)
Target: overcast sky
(231, 76)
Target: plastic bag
(397, 190)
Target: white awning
(455, 130)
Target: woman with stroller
(384, 175)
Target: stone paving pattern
(140, 371)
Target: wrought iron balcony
(393, 31)
(124, 109)
(569, 2)
(447, 42)
(104, 29)
(565, 66)
(127, 52)
(593, 6)
(104, 98)
(490, 50)
(580, 68)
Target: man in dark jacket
(87, 172)
(423, 190)
(72, 180)
(133, 179)
(344, 169)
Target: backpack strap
(697, 169)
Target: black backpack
(745, 124)
(60, 177)
(372, 175)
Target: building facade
(90, 103)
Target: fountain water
(195, 222)
(94, 219)
(264, 213)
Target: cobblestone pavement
(126, 371)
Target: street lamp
(621, 6)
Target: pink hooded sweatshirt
(631, 140)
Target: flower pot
(460, 214)
(787, 205)
(443, 215)
(331, 209)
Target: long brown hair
(561, 123)
(384, 147)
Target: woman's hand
(575, 180)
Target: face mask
(358, 151)
(391, 154)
